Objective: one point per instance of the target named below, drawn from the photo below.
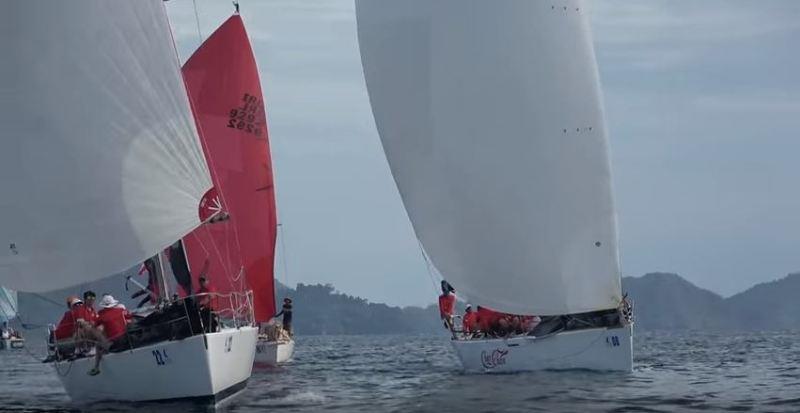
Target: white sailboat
(491, 117)
(102, 168)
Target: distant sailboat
(491, 118)
(223, 82)
(102, 168)
(9, 338)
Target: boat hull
(608, 349)
(205, 368)
(272, 353)
(11, 343)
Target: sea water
(686, 371)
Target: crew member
(112, 322)
(286, 311)
(89, 314)
(65, 328)
(447, 304)
(469, 323)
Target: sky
(703, 111)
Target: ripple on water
(691, 371)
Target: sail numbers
(249, 117)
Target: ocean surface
(757, 372)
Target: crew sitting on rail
(447, 304)
(112, 324)
(469, 324)
(65, 329)
(89, 313)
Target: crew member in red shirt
(88, 312)
(447, 304)
(66, 327)
(488, 320)
(469, 323)
(112, 318)
(112, 321)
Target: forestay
(101, 166)
(490, 115)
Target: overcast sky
(703, 110)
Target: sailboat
(102, 169)
(223, 82)
(491, 118)
(9, 338)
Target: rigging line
(283, 256)
(428, 265)
(197, 20)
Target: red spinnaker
(223, 84)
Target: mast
(163, 283)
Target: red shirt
(113, 320)
(66, 327)
(447, 304)
(487, 317)
(86, 313)
(470, 322)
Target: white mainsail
(491, 118)
(101, 165)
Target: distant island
(663, 301)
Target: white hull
(209, 367)
(11, 343)
(607, 349)
(272, 353)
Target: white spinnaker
(8, 304)
(100, 166)
(491, 118)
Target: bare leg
(101, 345)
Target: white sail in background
(100, 166)
(491, 118)
(8, 304)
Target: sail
(491, 119)
(100, 166)
(222, 79)
(8, 304)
